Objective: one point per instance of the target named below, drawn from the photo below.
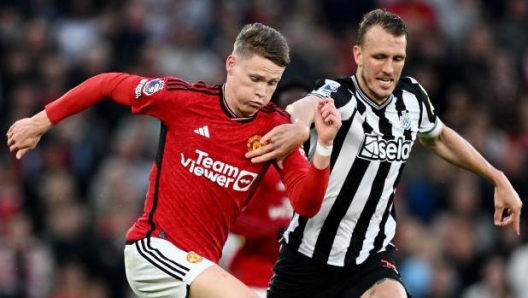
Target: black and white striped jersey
(370, 150)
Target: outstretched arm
(284, 139)
(25, 133)
(450, 146)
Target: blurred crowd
(66, 206)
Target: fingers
(21, 153)
(325, 107)
(511, 217)
(260, 151)
(269, 137)
(333, 120)
(264, 157)
(329, 113)
(9, 136)
(265, 153)
(280, 163)
(12, 144)
(17, 143)
(11, 139)
(266, 139)
(10, 131)
(514, 217)
(266, 142)
(517, 224)
(507, 220)
(497, 217)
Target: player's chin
(248, 112)
(384, 93)
(252, 109)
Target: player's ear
(230, 63)
(356, 50)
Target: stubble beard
(376, 96)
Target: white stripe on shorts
(156, 258)
(157, 268)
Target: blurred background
(66, 206)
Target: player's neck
(366, 91)
(229, 103)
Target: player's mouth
(255, 105)
(385, 82)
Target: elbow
(309, 208)
(309, 213)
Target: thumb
(21, 153)
(497, 217)
(280, 163)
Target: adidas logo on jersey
(203, 131)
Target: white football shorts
(156, 268)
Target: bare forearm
(450, 146)
(453, 148)
(304, 109)
(42, 122)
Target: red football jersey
(200, 179)
(261, 224)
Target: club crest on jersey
(153, 86)
(193, 257)
(405, 121)
(254, 143)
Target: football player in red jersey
(200, 179)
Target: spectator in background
(516, 268)
(26, 261)
(494, 282)
(266, 217)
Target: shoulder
(341, 89)
(332, 85)
(272, 110)
(177, 84)
(411, 85)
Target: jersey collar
(229, 112)
(367, 99)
